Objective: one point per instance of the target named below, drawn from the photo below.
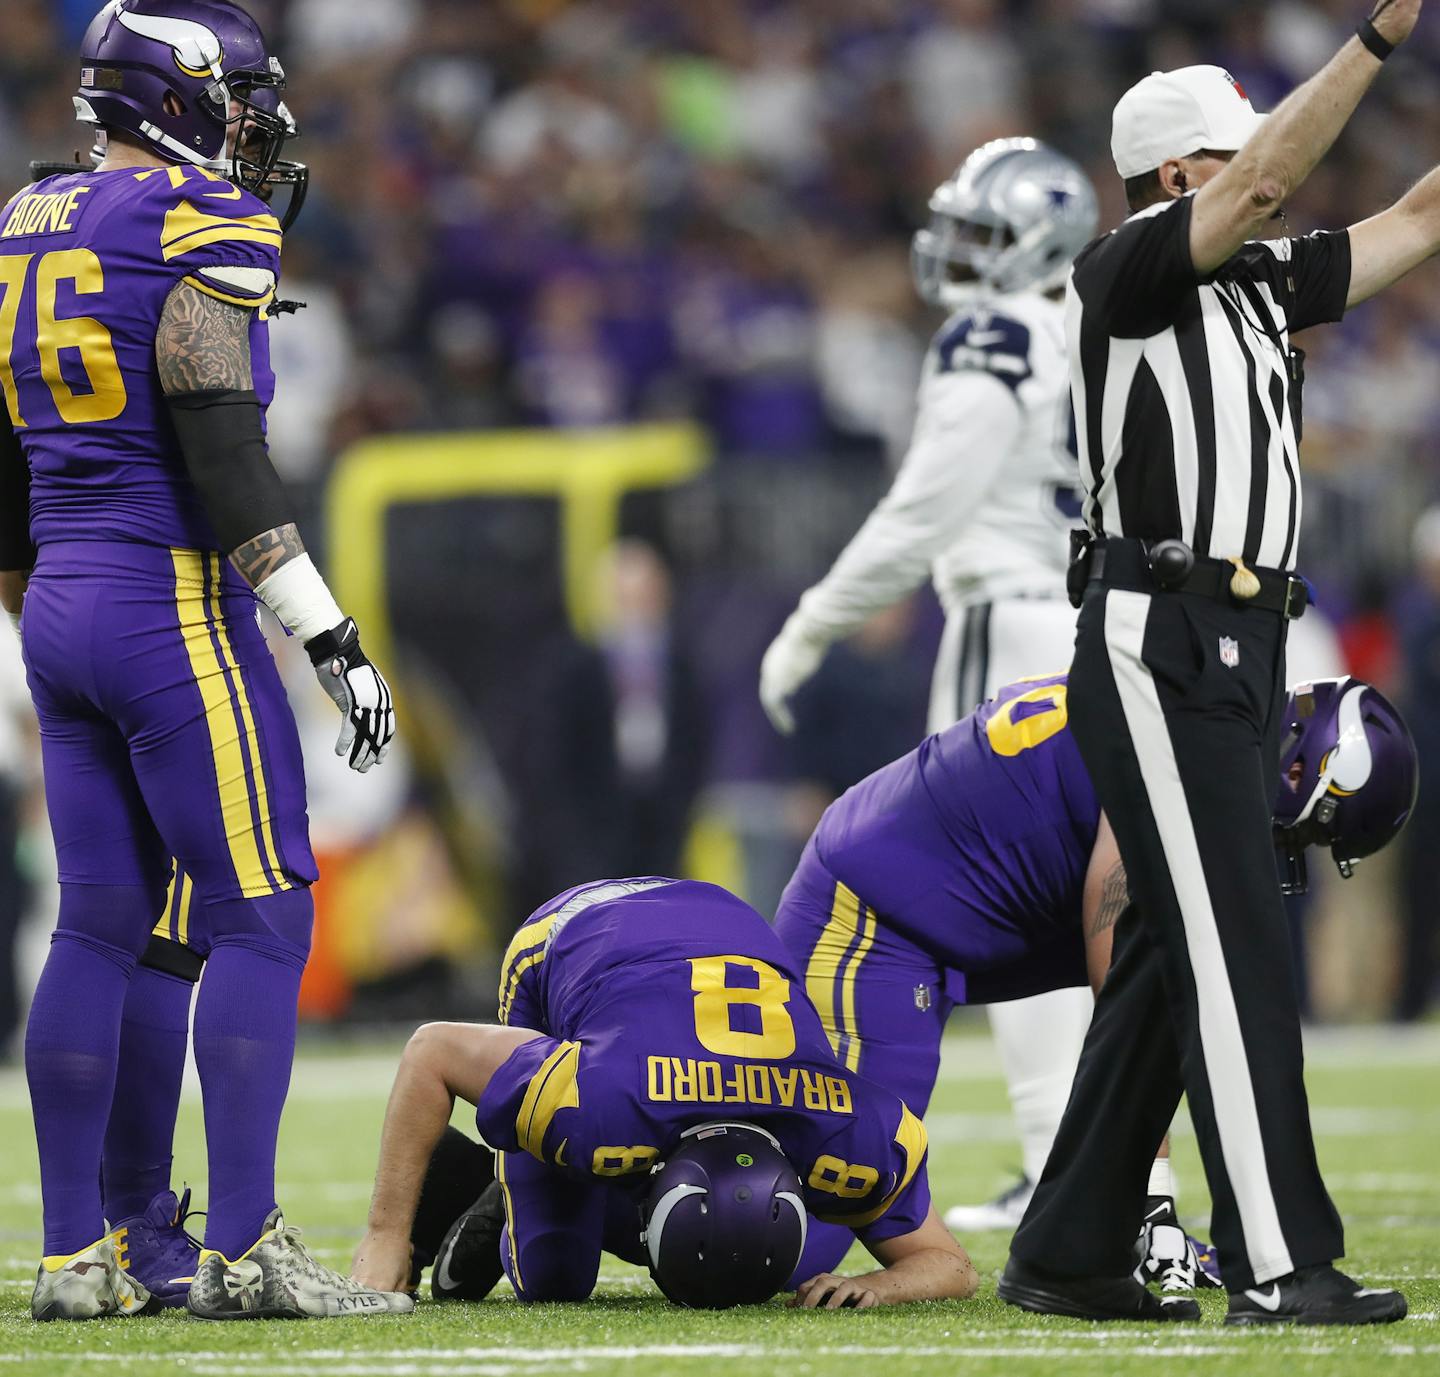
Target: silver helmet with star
(1010, 220)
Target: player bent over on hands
(660, 1086)
(980, 867)
(135, 382)
(982, 504)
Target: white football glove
(792, 659)
(367, 709)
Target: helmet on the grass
(1348, 774)
(724, 1223)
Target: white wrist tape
(297, 594)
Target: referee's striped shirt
(1186, 413)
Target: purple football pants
(165, 733)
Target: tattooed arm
(1106, 897)
(202, 352)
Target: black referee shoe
(1315, 1295)
(467, 1267)
(1088, 1298)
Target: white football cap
(1174, 114)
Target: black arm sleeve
(16, 549)
(224, 448)
(1133, 279)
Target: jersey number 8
(720, 1005)
(84, 334)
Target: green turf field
(1376, 1099)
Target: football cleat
(1164, 1252)
(87, 1285)
(1088, 1298)
(155, 1250)
(1004, 1212)
(1315, 1295)
(468, 1267)
(277, 1279)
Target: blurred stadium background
(609, 344)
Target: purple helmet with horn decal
(1348, 774)
(724, 1220)
(193, 80)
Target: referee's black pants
(1184, 753)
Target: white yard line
(491, 1362)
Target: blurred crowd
(579, 213)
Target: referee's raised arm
(1234, 204)
(1187, 395)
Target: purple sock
(154, 1034)
(244, 1045)
(71, 1044)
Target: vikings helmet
(723, 1220)
(1009, 220)
(1348, 775)
(194, 81)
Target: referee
(1187, 403)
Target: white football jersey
(1024, 496)
(989, 487)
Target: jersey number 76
(81, 270)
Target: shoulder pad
(987, 342)
(210, 220)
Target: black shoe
(1315, 1295)
(1088, 1298)
(467, 1267)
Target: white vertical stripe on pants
(1227, 1067)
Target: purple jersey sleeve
(562, 1104)
(871, 1175)
(222, 240)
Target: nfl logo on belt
(1229, 651)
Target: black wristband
(1373, 39)
(340, 642)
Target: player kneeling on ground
(660, 1087)
(979, 867)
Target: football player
(979, 867)
(981, 505)
(134, 370)
(654, 1021)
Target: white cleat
(279, 1280)
(1004, 1212)
(87, 1285)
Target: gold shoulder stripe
(201, 285)
(187, 228)
(552, 1088)
(526, 949)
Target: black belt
(1169, 566)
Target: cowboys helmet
(194, 81)
(1348, 775)
(1009, 220)
(724, 1223)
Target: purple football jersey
(975, 845)
(86, 262)
(671, 1003)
